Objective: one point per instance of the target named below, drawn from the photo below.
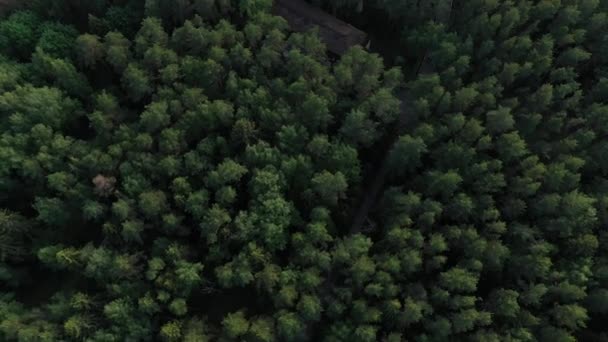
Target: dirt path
(376, 182)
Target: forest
(195, 170)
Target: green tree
(19, 34)
(235, 325)
(136, 82)
(90, 50)
(331, 187)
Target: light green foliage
(235, 325)
(89, 49)
(117, 52)
(46, 106)
(155, 116)
(171, 331)
(152, 203)
(136, 82)
(61, 73)
(330, 187)
(289, 326)
(178, 307)
(151, 33)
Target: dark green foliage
(191, 170)
(19, 33)
(57, 39)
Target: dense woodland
(189, 171)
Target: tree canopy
(193, 170)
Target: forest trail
(376, 181)
(373, 184)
